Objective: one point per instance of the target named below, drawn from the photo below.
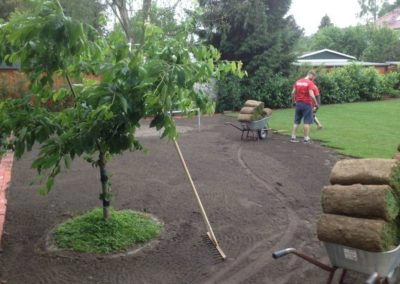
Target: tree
(354, 40)
(102, 116)
(366, 43)
(383, 45)
(387, 7)
(255, 32)
(325, 22)
(87, 11)
(329, 37)
(9, 6)
(369, 9)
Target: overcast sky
(308, 13)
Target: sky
(308, 13)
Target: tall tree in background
(383, 45)
(329, 37)
(325, 22)
(367, 43)
(387, 7)
(9, 6)
(369, 9)
(86, 11)
(255, 32)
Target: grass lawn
(367, 130)
(90, 233)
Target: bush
(275, 91)
(272, 90)
(391, 84)
(351, 83)
(371, 85)
(328, 88)
(229, 94)
(348, 90)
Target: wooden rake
(210, 232)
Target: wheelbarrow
(253, 129)
(381, 266)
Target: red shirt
(315, 90)
(302, 88)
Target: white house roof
(340, 55)
(331, 58)
(338, 63)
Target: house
(390, 20)
(325, 57)
(328, 58)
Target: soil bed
(260, 196)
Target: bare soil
(260, 197)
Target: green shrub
(351, 83)
(229, 94)
(347, 87)
(391, 82)
(274, 90)
(328, 88)
(371, 85)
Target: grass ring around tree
(90, 233)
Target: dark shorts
(303, 111)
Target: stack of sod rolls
(253, 111)
(361, 206)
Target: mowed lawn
(367, 130)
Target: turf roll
(365, 201)
(363, 171)
(253, 103)
(267, 111)
(247, 110)
(374, 235)
(245, 117)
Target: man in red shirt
(303, 96)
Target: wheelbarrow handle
(238, 128)
(373, 278)
(283, 252)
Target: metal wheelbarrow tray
(255, 130)
(381, 266)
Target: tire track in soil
(263, 258)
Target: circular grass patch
(90, 233)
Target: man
(304, 98)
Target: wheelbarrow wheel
(262, 133)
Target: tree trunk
(105, 195)
(363, 171)
(120, 10)
(365, 201)
(146, 7)
(373, 235)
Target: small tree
(148, 80)
(325, 22)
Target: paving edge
(6, 163)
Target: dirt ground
(260, 197)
